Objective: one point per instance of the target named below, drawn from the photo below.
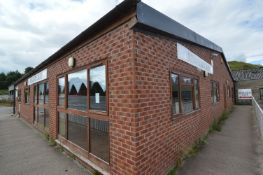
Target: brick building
(249, 79)
(128, 94)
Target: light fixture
(71, 62)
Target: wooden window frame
(88, 113)
(95, 114)
(180, 85)
(27, 97)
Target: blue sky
(31, 30)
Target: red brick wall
(143, 137)
(161, 138)
(117, 48)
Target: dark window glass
(41, 117)
(175, 94)
(196, 94)
(62, 124)
(26, 94)
(261, 93)
(78, 131)
(214, 91)
(36, 115)
(19, 95)
(35, 94)
(46, 93)
(61, 91)
(46, 118)
(99, 139)
(41, 91)
(77, 90)
(98, 88)
(187, 98)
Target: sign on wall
(186, 55)
(37, 77)
(244, 94)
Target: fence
(259, 115)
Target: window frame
(96, 114)
(217, 91)
(43, 105)
(27, 95)
(180, 77)
(88, 113)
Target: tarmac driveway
(24, 152)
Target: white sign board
(186, 55)
(37, 77)
(244, 94)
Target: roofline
(146, 16)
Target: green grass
(5, 103)
(201, 142)
(238, 65)
(3, 91)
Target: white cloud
(31, 30)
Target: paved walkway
(24, 152)
(236, 150)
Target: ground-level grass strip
(201, 142)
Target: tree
(12, 76)
(28, 69)
(3, 83)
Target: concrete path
(24, 152)
(236, 150)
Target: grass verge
(201, 142)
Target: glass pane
(98, 88)
(187, 81)
(36, 115)
(99, 138)
(62, 124)
(187, 99)
(77, 90)
(35, 94)
(175, 94)
(261, 93)
(196, 89)
(78, 130)
(61, 91)
(41, 93)
(46, 118)
(46, 92)
(41, 117)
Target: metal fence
(259, 115)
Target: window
(261, 93)
(185, 94)
(61, 91)
(41, 91)
(35, 94)
(78, 131)
(46, 94)
(175, 94)
(99, 139)
(41, 117)
(62, 124)
(19, 95)
(98, 88)
(77, 90)
(46, 115)
(85, 90)
(214, 91)
(27, 95)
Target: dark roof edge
(150, 17)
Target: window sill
(183, 115)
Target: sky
(32, 30)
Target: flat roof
(147, 17)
